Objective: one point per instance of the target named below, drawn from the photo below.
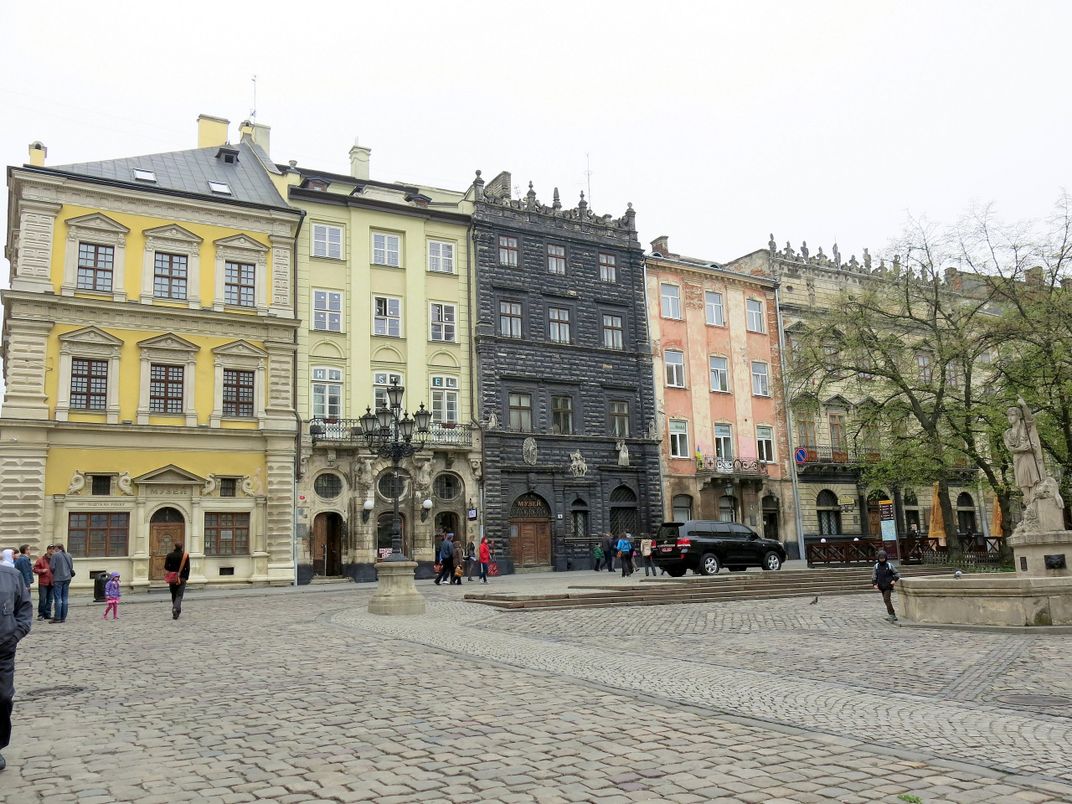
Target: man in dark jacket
(609, 549)
(24, 565)
(883, 577)
(16, 617)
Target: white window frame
(326, 382)
(384, 254)
(714, 309)
(753, 316)
(765, 443)
(616, 334)
(723, 441)
(444, 399)
(443, 261)
(169, 350)
(560, 325)
(679, 439)
(239, 356)
(242, 249)
(670, 303)
(171, 239)
(556, 263)
(89, 343)
(100, 230)
(443, 322)
(608, 267)
(722, 373)
(760, 379)
(388, 318)
(321, 313)
(674, 372)
(381, 381)
(512, 254)
(321, 244)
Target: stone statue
(577, 467)
(804, 249)
(529, 451)
(653, 431)
(209, 487)
(867, 261)
(623, 452)
(836, 255)
(78, 482)
(493, 421)
(773, 246)
(424, 476)
(1042, 498)
(474, 464)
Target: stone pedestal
(1030, 551)
(397, 593)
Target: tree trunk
(948, 520)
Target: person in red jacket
(43, 571)
(485, 558)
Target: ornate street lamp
(392, 433)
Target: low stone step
(605, 601)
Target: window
(510, 319)
(447, 486)
(89, 384)
(391, 485)
(386, 249)
(619, 419)
(826, 505)
(102, 485)
(327, 393)
(93, 535)
(443, 318)
(238, 283)
(228, 487)
(765, 444)
(952, 375)
(558, 328)
(556, 259)
(508, 251)
(838, 438)
(671, 301)
(327, 241)
(440, 257)
(806, 432)
(713, 308)
(219, 187)
(226, 534)
(144, 175)
(755, 315)
(169, 276)
(675, 368)
(238, 388)
(682, 508)
(327, 310)
(608, 268)
(95, 267)
(760, 380)
(720, 374)
(521, 412)
(679, 439)
(381, 381)
(387, 318)
(613, 332)
(727, 508)
(724, 442)
(562, 415)
(445, 400)
(328, 486)
(165, 389)
(923, 364)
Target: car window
(667, 532)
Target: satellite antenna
(588, 176)
(253, 111)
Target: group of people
(454, 561)
(52, 571)
(627, 552)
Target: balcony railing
(348, 432)
(833, 453)
(739, 467)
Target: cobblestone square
(301, 695)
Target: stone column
(279, 510)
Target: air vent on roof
(219, 187)
(227, 154)
(144, 175)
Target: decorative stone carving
(653, 430)
(424, 477)
(623, 452)
(493, 421)
(578, 467)
(1043, 504)
(529, 451)
(252, 486)
(78, 482)
(210, 486)
(125, 484)
(474, 464)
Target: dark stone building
(565, 375)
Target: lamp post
(392, 433)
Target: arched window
(826, 506)
(727, 508)
(964, 500)
(965, 514)
(447, 486)
(682, 507)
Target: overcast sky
(720, 121)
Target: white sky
(720, 121)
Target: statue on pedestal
(1042, 498)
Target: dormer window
(219, 187)
(227, 154)
(144, 175)
(316, 184)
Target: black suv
(706, 546)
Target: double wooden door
(163, 536)
(532, 546)
(327, 544)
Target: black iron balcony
(347, 432)
(735, 467)
(836, 453)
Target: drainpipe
(474, 305)
(294, 402)
(789, 424)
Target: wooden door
(327, 544)
(533, 544)
(163, 536)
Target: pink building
(718, 387)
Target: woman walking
(625, 552)
(485, 558)
(177, 573)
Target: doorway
(167, 527)
(384, 523)
(874, 512)
(770, 518)
(530, 531)
(327, 544)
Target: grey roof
(190, 172)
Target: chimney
(1033, 276)
(38, 152)
(952, 278)
(211, 131)
(262, 135)
(359, 161)
(661, 245)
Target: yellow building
(149, 349)
(384, 296)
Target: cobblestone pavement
(306, 697)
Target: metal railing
(734, 466)
(348, 432)
(838, 453)
(859, 551)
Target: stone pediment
(239, 349)
(172, 231)
(96, 220)
(170, 342)
(170, 475)
(240, 241)
(838, 401)
(90, 336)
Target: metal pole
(396, 525)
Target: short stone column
(397, 594)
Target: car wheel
(771, 561)
(676, 572)
(709, 564)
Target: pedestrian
(625, 553)
(459, 563)
(485, 558)
(883, 577)
(647, 555)
(608, 551)
(112, 595)
(597, 557)
(24, 565)
(176, 574)
(43, 572)
(16, 618)
(62, 571)
(446, 559)
(470, 560)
